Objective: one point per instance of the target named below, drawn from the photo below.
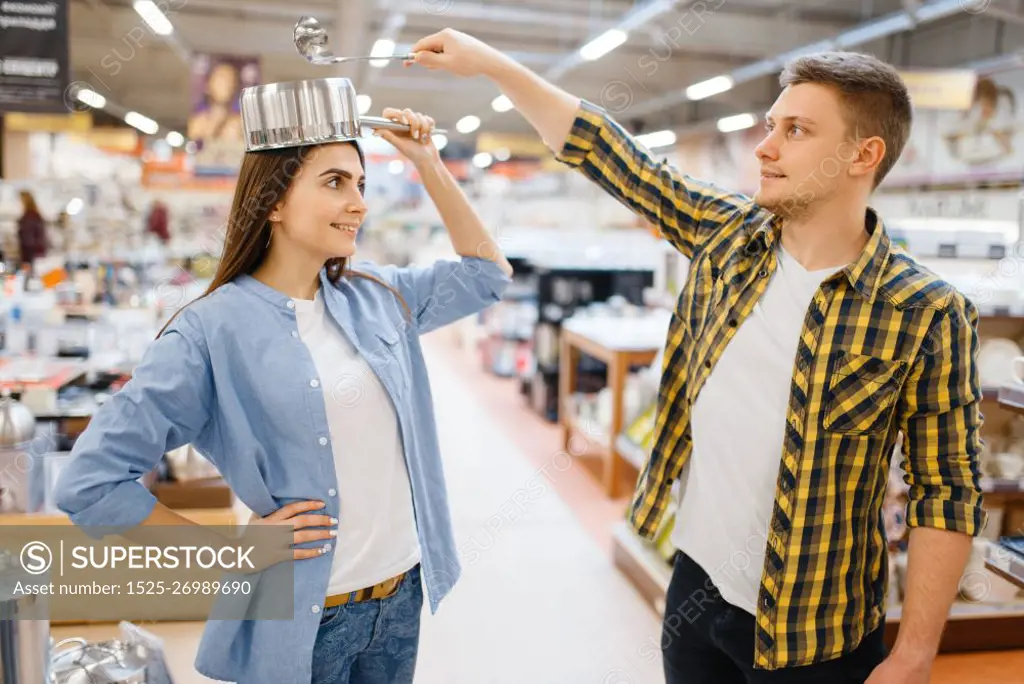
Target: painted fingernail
(334, 521)
(334, 533)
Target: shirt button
(291, 305)
(766, 602)
(327, 547)
(295, 333)
(315, 609)
(732, 323)
(323, 441)
(707, 364)
(332, 492)
(763, 273)
(314, 383)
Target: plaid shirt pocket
(862, 393)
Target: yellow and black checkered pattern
(886, 347)
(382, 590)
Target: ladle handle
(388, 124)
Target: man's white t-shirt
(376, 524)
(727, 490)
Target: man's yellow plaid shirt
(886, 346)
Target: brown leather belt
(384, 589)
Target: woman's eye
(795, 130)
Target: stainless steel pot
(310, 112)
(105, 662)
(17, 423)
(24, 628)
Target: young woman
(301, 377)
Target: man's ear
(869, 156)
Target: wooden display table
(620, 343)
(225, 517)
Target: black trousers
(707, 640)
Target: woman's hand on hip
(271, 548)
(416, 145)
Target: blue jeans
(371, 642)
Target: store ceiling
(113, 50)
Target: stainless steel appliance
(24, 627)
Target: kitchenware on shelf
(24, 626)
(17, 456)
(115, 661)
(309, 112)
(996, 361)
(311, 38)
(1009, 465)
(17, 422)
(1017, 367)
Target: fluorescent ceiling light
(712, 86)
(382, 48)
(396, 166)
(143, 123)
(657, 139)
(880, 28)
(91, 98)
(501, 104)
(152, 15)
(74, 206)
(440, 140)
(468, 124)
(482, 160)
(363, 103)
(175, 139)
(502, 154)
(603, 44)
(736, 122)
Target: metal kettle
(24, 627)
(17, 422)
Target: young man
(802, 345)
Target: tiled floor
(539, 601)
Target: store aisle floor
(539, 600)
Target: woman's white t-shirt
(376, 524)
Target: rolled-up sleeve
(685, 210)
(162, 407)
(942, 426)
(448, 290)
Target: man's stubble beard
(796, 205)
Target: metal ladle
(311, 42)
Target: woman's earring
(270, 234)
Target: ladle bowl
(311, 39)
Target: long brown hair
(263, 180)
(28, 203)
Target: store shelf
(630, 452)
(648, 572)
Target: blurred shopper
(32, 241)
(300, 375)
(803, 342)
(157, 222)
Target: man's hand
(895, 670)
(457, 53)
